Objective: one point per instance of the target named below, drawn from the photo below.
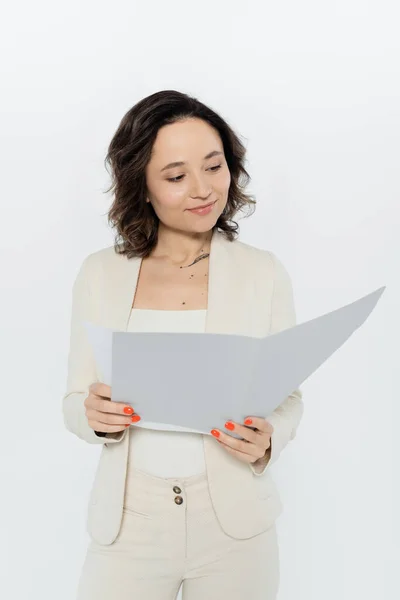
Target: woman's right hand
(105, 415)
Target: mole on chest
(172, 291)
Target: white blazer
(249, 293)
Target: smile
(203, 210)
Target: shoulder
(262, 259)
(97, 264)
(270, 275)
(103, 256)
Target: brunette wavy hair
(134, 219)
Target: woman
(177, 507)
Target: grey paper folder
(197, 381)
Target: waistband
(161, 482)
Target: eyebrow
(181, 163)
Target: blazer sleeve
(81, 364)
(286, 418)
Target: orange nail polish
(128, 410)
(229, 426)
(214, 432)
(248, 422)
(135, 418)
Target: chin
(205, 225)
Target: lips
(202, 206)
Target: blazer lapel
(227, 310)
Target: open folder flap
(196, 381)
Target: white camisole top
(166, 454)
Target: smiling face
(203, 178)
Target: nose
(201, 188)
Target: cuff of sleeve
(101, 433)
(260, 465)
(110, 436)
(277, 442)
(116, 437)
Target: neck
(179, 247)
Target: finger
(108, 406)
(117, 408)
(245, 432)
(239, 445)
(260, 423)
(243, 456)
(100, 389)
(111, 419)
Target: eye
(178, 178)
(175, 179)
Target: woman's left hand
(254, 444)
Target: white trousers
(170, 536)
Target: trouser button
(178, 499)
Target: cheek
(171, 198)
(224, 181)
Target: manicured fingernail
(128, 410)
(248, 422)
(229, 426)
(127, 425)
(214, 432)
(135, 418)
